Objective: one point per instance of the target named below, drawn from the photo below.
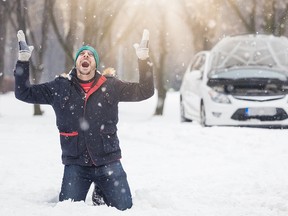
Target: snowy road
(173, 168)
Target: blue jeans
(110, 178)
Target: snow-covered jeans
(111, 179)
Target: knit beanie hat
(91, 49)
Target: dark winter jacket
(86, 122)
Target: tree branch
(238, 12)
(57, 32)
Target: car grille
(259, 99)
(241, 115)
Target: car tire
(182, 112)
(202, 115)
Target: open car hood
(249, 86)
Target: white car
(242, 81)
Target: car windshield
(242, 73)
(250, 50)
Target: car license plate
(260, 111)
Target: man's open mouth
(85, 64)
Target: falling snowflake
(116, 183)
(84, 125)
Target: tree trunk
(3, 24)
(161, 100)
(160, 81)
(39, 48)
(37, 110)
(160, 70)
(71, 36)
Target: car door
(193, 79)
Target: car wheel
(202, 115)
(182, 111)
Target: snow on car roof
(249, 50)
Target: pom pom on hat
(91, 49)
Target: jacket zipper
(101, 80)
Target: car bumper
(237, 113)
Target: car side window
(198, 64)
(197, 67)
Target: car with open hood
(242, 80)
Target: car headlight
(218, 97)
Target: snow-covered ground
(173, 168)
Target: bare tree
(262, 16)
(201, 19)
(156, 21)
(37, 37)
(160, 66)
(99, 23)
(40, 46)
(249, 22)
(275, 17)
(3, 24)
(66, 39)
(93, 25)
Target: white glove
(25, 51)
(142, 50)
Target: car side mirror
(196, 74)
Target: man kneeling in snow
(86, 107)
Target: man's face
(86, 65)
